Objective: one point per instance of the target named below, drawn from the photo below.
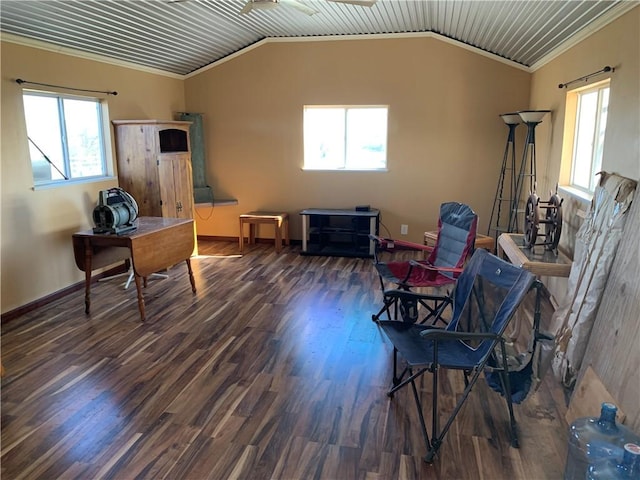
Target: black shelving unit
(339, 232)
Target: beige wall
(612, 349)
(616, 45)
(445, 140)
(37, 257)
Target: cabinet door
(176, 189)
(183, 185)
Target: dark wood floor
(273, 369)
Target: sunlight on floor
(200, 257)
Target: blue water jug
(594, 438)
(626, 468)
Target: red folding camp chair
(457, 226)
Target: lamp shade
(532, 116)
(511, 118)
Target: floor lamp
(512, 120)
(532, 118)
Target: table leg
(241, 237)
(136, 277)
(286, 231)
(191, 279)
(278, 224)
(372, 230)
(88, 254)
(305, 219)
(252, 233)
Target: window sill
(579, 195)
(361, 170)
(76, 181)
(218, 203)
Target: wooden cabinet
(154, 166)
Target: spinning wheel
(552, 221)
(531, 220)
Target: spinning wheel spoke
(531, 221)
(553, 223)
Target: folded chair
(457, 226)
(486, 295)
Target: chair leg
(388, 303)
(398, 383)
(438, 437)
(416, 396)
(411, 380)
(504, 380)
(385, 308)
(506, 387)
(385, 301)
(395, 380)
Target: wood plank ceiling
(182, 36)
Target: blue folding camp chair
(485, 298)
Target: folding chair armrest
(434, 268)
(398, 244)
(377, 239)
(440, 334)
(381, 242)
(412, 246)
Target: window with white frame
(66, 136)
(345, 137)
(591, 107)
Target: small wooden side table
(279, 220)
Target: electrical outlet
(404, 229)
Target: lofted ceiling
(182, 36)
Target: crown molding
(50, 47)
(346, 38)
(595, 26)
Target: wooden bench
(280, 221)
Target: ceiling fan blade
(362, 3)
(247, 8)
(299, 6)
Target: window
(345, 138)
(591, 106)
(66, 137)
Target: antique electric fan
(115, 213)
